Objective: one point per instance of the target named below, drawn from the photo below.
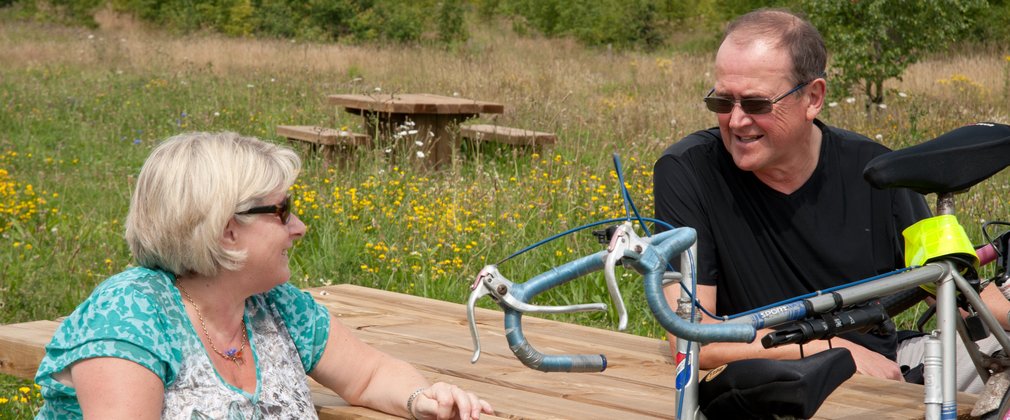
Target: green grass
(78, 115)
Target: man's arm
(716, 354)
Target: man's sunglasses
(753, 106)
(282, 210)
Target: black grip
(899, 302)
(862, 318)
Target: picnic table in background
(435, 117)
(433, 336)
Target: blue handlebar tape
(525, 292)
(652, 264)
(543, 362)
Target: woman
(206, 326)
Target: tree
(871, 41)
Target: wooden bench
(506, 135)
(333, 142)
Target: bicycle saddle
(954, 161)
(765, 388)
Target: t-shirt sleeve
(678, 202)
(121, 322)
(307, 321)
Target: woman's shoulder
(136, 292)
(129, 315)
(141, 280)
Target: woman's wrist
(411, 400)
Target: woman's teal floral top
(138, 315)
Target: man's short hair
(190, 187)
(792, 32)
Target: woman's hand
(443, 401)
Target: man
(777, 196)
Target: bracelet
(410, 402)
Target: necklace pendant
(233, 354)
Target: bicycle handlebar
(647, 257)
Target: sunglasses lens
(756, 106)
(285, 210)
(719, 105)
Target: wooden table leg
(438, 134)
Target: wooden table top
(415, 103)
(434, 337)
(638, 383)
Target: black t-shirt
(760, 246)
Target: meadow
(80, 109)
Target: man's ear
(816, 92)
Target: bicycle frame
(948, 281)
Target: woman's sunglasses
(282, 210)
(752, 106)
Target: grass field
(81, 109)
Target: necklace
(232, 354)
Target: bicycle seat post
(945, 204)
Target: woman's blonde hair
(190, 187)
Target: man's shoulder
(852, 139)
(699, 141)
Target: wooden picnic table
(434, 117)
(434, 337)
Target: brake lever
(490, 282)
(624, 244)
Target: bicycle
(940, 258)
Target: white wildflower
(832, 104)
(882, 106)
(850, 100)
(879, 137)
(420, 154)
